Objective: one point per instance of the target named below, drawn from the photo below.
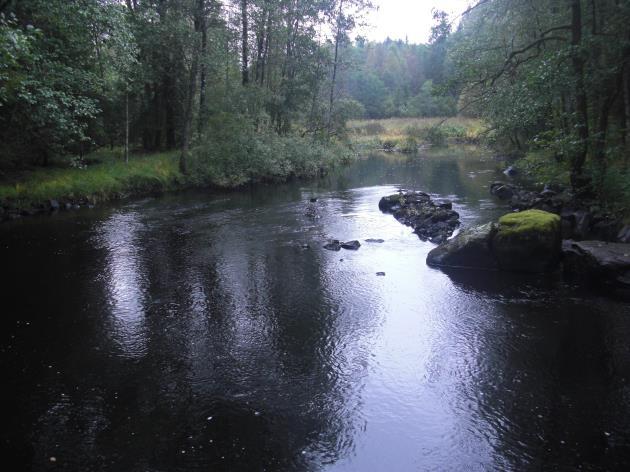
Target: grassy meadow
(408, 134)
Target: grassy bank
(408, 134)
(104, 176)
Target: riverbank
(104, 176)
(610, 184)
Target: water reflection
(201, 333)
(124, 275)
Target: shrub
(435, 135)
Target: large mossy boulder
(470, 248)
(528, 241)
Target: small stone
(313, 200)
(333, 245)
(351, 245)
(380, 274)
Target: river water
(196, 332)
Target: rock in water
(333, 245)
(502, 190)
(470, 248)
(599, 263)
(529, 241)
(430, 221)
(351, 245)
(521, 242)
(372, 240)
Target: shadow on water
(212, 331)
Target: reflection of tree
(236, 326)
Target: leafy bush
(435, 135)
(232, 154)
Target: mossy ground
(528, 222)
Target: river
(197, 332)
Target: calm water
(194, 332)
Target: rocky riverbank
(581, 218)
(531, 242)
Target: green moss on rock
(530, 221)
(528, 241)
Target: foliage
(234, 154)
(551, 77)
(395, 78)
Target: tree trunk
(579, 158)
(126, 126)
(334, 72)
(244, 40)
(626, 112)
(202, 77)
(190, 94)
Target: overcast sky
(408, 18)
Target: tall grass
(405, 133)
(109, 178)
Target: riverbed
(212, 331)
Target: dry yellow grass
(397, 131)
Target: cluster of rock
(531, 242)
(581, 219)
(431, 220)
(13, 212)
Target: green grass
(108, 179)
(238, 160)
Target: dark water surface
(193, 332)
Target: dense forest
(77, 75)
(265, 87)
(553, 77)
(398, 79)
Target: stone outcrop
(582, 219)
(431, 220)
(528, 241)
(598, 263)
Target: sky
(399, 19)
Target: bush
(435, 135)
(232, 154)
